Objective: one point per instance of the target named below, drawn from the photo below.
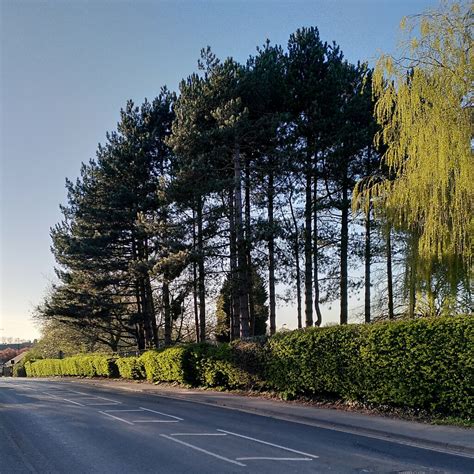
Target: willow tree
(424, 105)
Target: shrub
(82, 365)
(210, 365)
(165, 365)
(316, 361)
(250, 356)
(131, 368)
(425, 363)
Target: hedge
(165, 365)
(131, 368)
(215, 366)
(424, 364)
(82, 365)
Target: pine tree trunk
(241, 260)
(308, 245)
(367, 258)
(195, 285)
(167, 312)
(140, 326)
(389, 274)
(201, 272)
(271, 255)
(344, 254)
(235, 301)
(315, 254)
(297, 262)
(151, 311)
(248, 254)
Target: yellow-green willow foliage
(424, 106)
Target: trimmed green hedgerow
(215, 366)
(131, 368)
(165, 365)
(94, 365)
(423, 364)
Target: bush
(18, 370)
(316, 361)
(211, 365)
(250, 356)
(200, 364)
(165, 365)
(82, 365)
(425, 363)
(131, 368)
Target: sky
(68, 66)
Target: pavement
(91, 426)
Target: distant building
(6, 369)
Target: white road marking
(88, 396)
(198, 434)
(269, 444)
(60, 398)
(155, 421)
(108, 404)
(116, 417)
(272, 459)
(110, 411)
(79, 393)
(75, 403)
(222, 458)
(164, 414)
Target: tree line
(205, 208)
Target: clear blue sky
(67, 67)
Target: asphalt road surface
(63, 427)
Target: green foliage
(214, 366)
(165, 365)
(57, 336)
(424, 108)
(199, 364)
(224, 301)
(250, 355)
(423, 364)
(131, 368)
(93, 365)
(19, 369)
(316, 361)
(427, 363)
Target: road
(65, 427)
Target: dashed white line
(116, 417)
(222, 458)
(263, 458)
(155, 421)
(72, 401)
(269, 444)
(164, 414)
(198, 434)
